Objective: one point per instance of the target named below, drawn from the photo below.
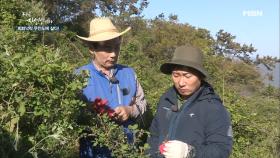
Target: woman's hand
(176, 149)
(122, 113)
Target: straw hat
(102, 29)
(185, 56)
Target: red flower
(101, 106)
(111, 113)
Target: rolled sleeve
(139, 105)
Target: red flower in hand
(101, 106)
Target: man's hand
(175, 149)
(122, 113)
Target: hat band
(102, 31)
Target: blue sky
(251, 21)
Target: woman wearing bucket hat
(191, 120)
(115, 83)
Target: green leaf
(133, 127)
(21, 108)
(11, 125)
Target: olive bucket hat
(102, 29)
(188, 56)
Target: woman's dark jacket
(202, 122)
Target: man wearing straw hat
(111, 81)
(191, 120)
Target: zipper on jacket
(178, 114)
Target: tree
(267, 60)
(225, 46)
(77, 14)
(173, 18)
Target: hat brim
(168, 67)
(104, 36)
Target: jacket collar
(208, 92)
(171, 95)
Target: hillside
(41, 115)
